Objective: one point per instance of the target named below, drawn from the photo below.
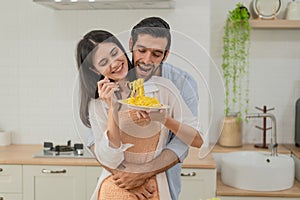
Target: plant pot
(231, 135)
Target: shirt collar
(150, 86)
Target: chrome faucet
(273, 145)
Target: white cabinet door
(255, 198)
(10, 178)
(10, 196)
(92, 176)
(198, 184)
(54, 182)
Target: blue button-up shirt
(189, 92)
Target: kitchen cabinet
(6, 196)
(92, 176)
(43, 182)
(11, 182)
(198, 183)
(297, 167)
(47, 182)
(254, 198)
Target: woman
(121, 134)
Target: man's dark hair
(154, 26)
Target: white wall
(37, 54)
(38, 70)
(274, 71)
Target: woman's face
(110, 61)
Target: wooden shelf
(274, 24)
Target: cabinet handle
(1, 170)
(49, 171)
(188, 174)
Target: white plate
(151, 108)
(266, 9)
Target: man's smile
(145, 68)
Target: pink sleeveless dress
(142, 151)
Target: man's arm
(134, 175)
(130, 176)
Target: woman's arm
(113, 131)
(183, 131)
(106, 92)
(186, 133)
(178, 118)
(108, 148)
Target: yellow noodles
(138, 97)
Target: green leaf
(235, 62)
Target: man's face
(147, 54)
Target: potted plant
(236, 41)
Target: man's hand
(159, 115)
(144, 192)
(130, 181)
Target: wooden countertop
(225, 190)
(294, 149)
(22, 155)
(249, 147)
(193, 161)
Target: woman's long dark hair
(87, 72)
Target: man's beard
(148, 72)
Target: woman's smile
(118, 69)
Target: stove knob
(79, 149)
(78, 146)
(48, 145)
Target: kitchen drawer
(10, 196)
(10, 179)
(47, 182)
(198, 183)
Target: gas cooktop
(64, 151)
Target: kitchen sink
(257, 171)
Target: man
(150, 46)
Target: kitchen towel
(5, 138)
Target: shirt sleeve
(188, 89)
(185, 83)
(106, 155)
(177, 146)
(189, 93)
(90, 138)
(109, 156)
